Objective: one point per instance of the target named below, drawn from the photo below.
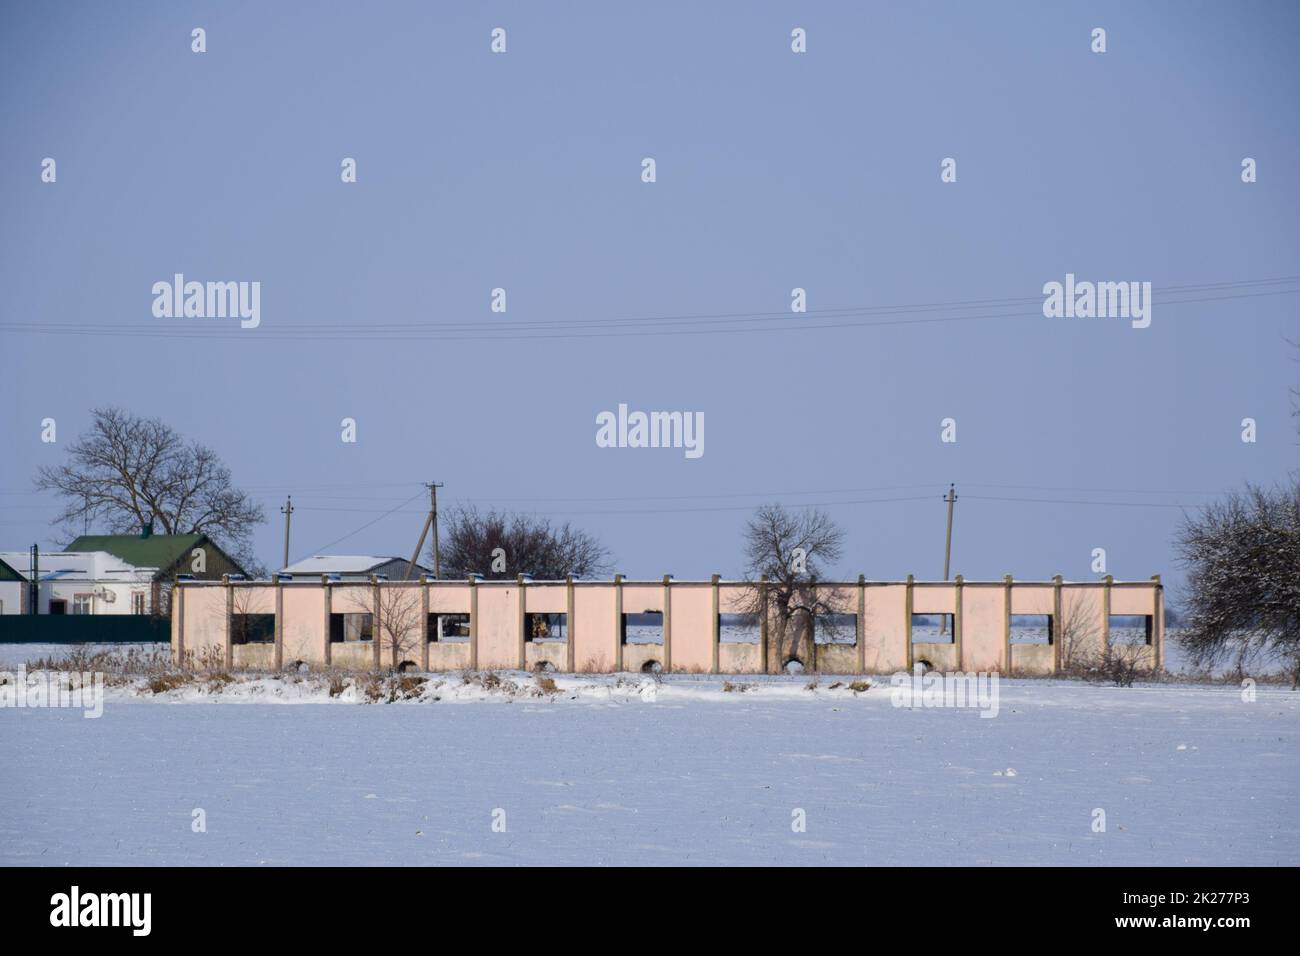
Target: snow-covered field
(629, 771)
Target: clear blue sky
(775, 170)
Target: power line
(487, 330)
(363, 527)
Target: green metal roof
(9, 574)
(156, 551)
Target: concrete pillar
(473, 623)
(178, 622)
(570, 650)
(1107, 581)
(861, 636)
(618, 622)
(424, 623)
(1158, 623)
(377, 623)
(521, 645)
(668, 623)
(230, 611)
(279, 623)
(1056, 624)
(328, 656)
(717, 633)
(762, 624)
(907, 622)
(1006, 621)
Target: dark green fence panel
(84, 629)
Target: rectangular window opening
(1032, 629)
(448, 628)
(252, 628)
(837, 629)
(737, 629)
(933, 629)
(646, 627)
(540, 628)
(1131, 629)
(351, 627)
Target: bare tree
(1079, 631)
(784, 553)
(1243, 586)
(127, 471)
(396, 621)
(503, 545)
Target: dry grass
(162, 683)
(547, 685)
(729, 688)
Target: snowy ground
(679, 771)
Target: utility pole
(433, 517)
(287, 511)
(950, 497)
(430, 521)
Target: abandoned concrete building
(714, 626)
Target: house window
(58, 606)
(932, 629)
(252, 628)
(837, 629)
(1032, 629)
(738, 629)
(81, 603)
(448, 627)
(349, 628)
(1131, 628)
(546, 627)
(644, 628)
(138, 603)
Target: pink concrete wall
(448, 599)
(638, 598)
(304, 633)
(497, 628)
(546, 598)
(205, 620)
(1032, 599)
(352, 599)
(1132, 599)
(983, 627)
(692, 628)
(594, 630)
(934, 598)
(884, 623)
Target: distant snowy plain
(629, 770)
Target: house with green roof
(164, 557)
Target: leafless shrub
(1243, 588)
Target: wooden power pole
(287, 511)
(430, 521)
(950, 497)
